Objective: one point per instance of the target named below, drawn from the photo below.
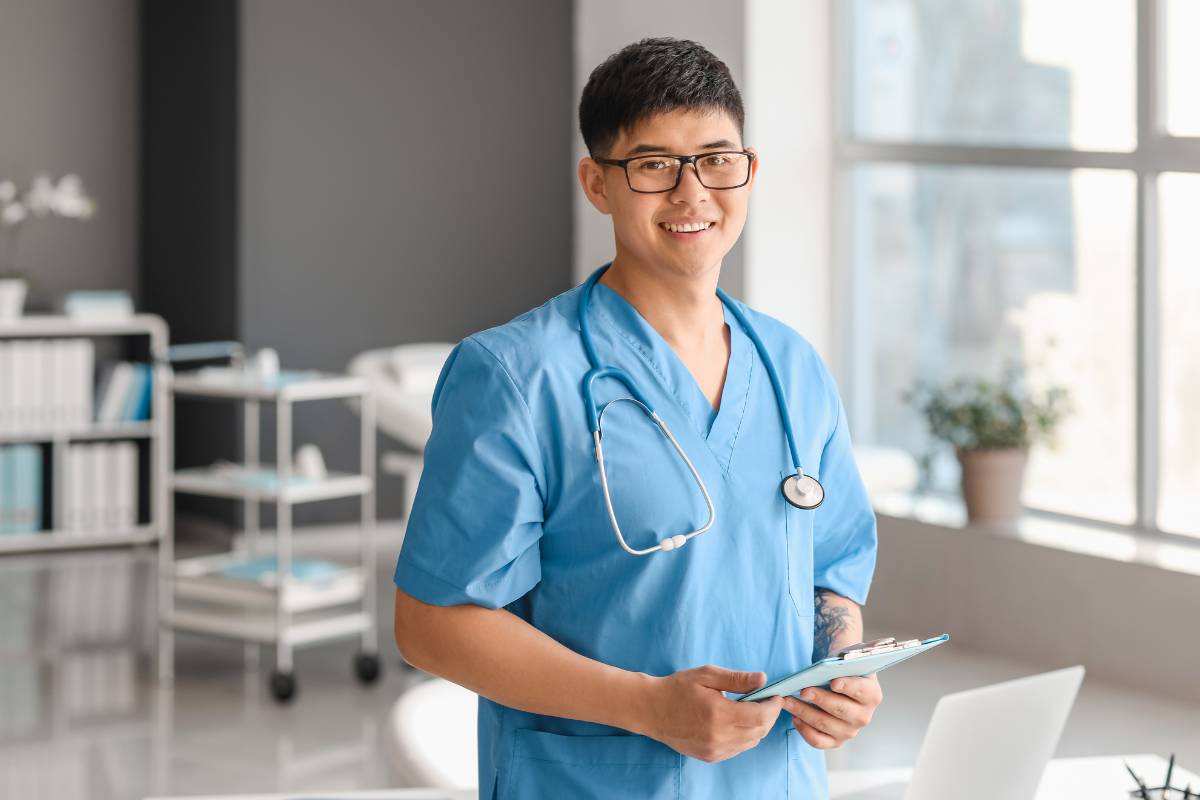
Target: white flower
(41, 195)
(69, 199)
(13, 214)
(8, 191)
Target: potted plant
(991, 425)
(43, 198)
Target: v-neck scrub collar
(719, 427)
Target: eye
(717, 160)
(655, 164)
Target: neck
(684, 309)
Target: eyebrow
(658, 148)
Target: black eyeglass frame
(623, 163)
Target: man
(597, 615)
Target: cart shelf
(261, 627)
(262, 485)
(205, 579)
(225, 382)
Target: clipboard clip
(874, 647)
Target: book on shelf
(262, 478)
(49, 385)
(124, 394)
(265, 569)
(98, 305)
(46, 384)
(20, 488)
(100, 491)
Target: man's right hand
(688, 712)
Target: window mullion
(1147, 353)
(1154, 148)
(983, 156)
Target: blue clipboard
(824, 672)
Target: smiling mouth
(686, 228)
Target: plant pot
(12, 298)
(991, 483)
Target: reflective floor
(82, 718)
(82, 715)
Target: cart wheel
(366, 668)
(283, 685)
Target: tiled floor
(81, 716)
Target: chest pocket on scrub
(799, 533)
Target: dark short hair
(651, 77)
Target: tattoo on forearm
(831, 620)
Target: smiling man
(599, 545)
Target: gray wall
(68, 103)
(405, 176)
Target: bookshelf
(55, 440)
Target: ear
(591, 178)
(753, 167)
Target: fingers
(838, 705)
(836, 729)
(742, 715)
(729, 680)
(758, 714)
(863, 690)
(728, 739)
(821, 741)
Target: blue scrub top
(509, 513)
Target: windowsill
(1069, 536)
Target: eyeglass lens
(716, 171)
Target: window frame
(1155, 152)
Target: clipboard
(854, 662)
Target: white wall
(1128, 622)
(789, 117)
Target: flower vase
(991, 483)
(12, 298)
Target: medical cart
(254, 595)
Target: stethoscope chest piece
(802, 491)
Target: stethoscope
(801, 490)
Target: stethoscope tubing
(599, 370)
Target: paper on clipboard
(822, 672)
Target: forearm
(837, 623)
(500, 656)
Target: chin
(694, 266)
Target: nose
(690, 189)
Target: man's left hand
(828, 719)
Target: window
(1180, 23)
(997, 72)
(1015, 191)
(1179, 400)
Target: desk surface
(1098, 778)
(375, 794)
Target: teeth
(690, 227)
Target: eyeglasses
(727, 169)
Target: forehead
(679, 131)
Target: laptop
(991, 743)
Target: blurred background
(949, 189)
